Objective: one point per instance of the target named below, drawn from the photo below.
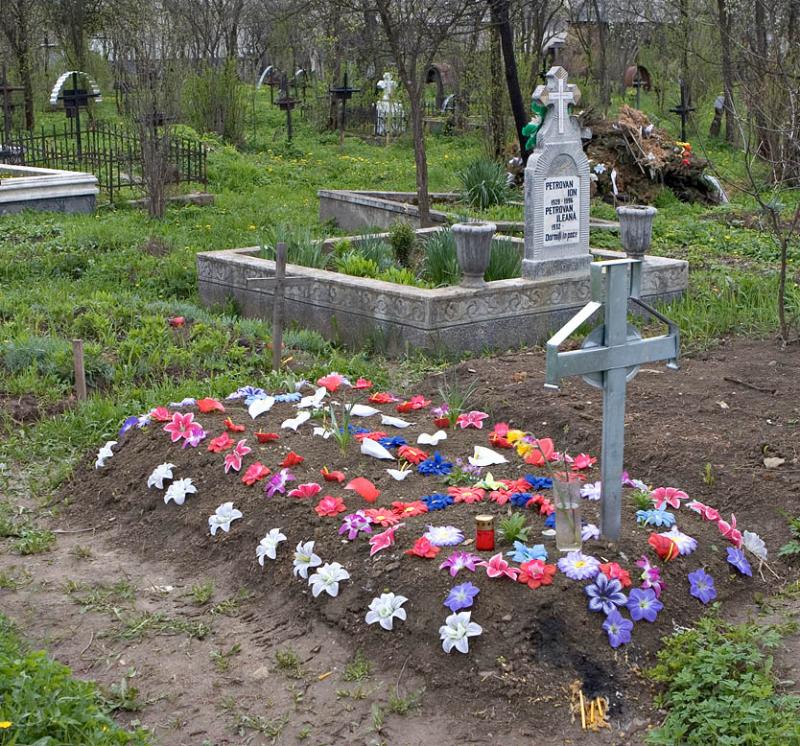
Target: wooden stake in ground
(278, 304)
(80, 370)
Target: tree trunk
(731, 135)
(497, 133)
(420, 157)
(27, 93)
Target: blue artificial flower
(655, 517)
(643, 604)
(289, 398)
(550, 521)
(520, 499)
(248, 392)
(435, 466)
(701, 586)
(461, 596)
(618, 628)
(355, 430)
(538, 483)
(437, 501)
(128, 424)
(604, 594)
(739, 561)
(394, 442)
(522, 553)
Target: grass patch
(202, 593)
(403, 705)
(358, 669)
(222, 658)
(289, 662)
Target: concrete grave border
(46, 189)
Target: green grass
(45, 705)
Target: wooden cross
(7, 91)
(558, 93)
(610, 357)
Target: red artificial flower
(415, 402)
(501, 497)
(176, 322)
(233, 428)
(467, 495)
(303, 491)
(331, 476)
(374, 435)
(160, 414)
(535, 456)
(497, 567)
(614, 572)
(411, 454)
(292, 459)
(441, 422)
(535, 573)
(331, 382)
(381, 516)
(363, 383)
(220, 443)
(209, 405)
(545, 506)
(255, 473)
(498, 438)
(516, 485)
(267, 437)
(409, 510)
(330, 506)
(423, 548)
(583, 461)
(663, 546)
(382, 397)
(363, 487)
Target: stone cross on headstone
(557, 188)
(610, 357)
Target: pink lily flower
(309, 489)
(233, 460)
(663, 496)
(730, 532)
(583, 461)
(472, 419)
(497, 567)
(706, 511)
(181, 426)
(383, 540)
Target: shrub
(505, 261)
(376, 250)
(441, 264)
(215, 102)
(301, 249)
(483, 184)
(357, 265)
(401, 239)
(399, 275)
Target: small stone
(773, 462)
(506, 618)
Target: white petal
(297, 421)
(400, 614)
(333, 589)
(394, 421)
(447, 644)
(431, 440)
(486, 457)
(372, 448)
(362, 410)
(259, 406)
(372, 617)
(397, 474)
(322, 432)
(386, 623)
(462, 645)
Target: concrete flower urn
(473, 248)
(636, 229)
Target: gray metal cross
(557, 92)
(609, 358)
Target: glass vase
(567, 500)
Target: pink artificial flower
(220, 443)
(382, 540)
(160, 414)
(706, 511)
(415, 402)
(381, 516)
(255, 473)
(382, 397)
(181, 426)
(363, 383)
(501, 497)
(423, 548)
(233, 460)
(663, 496)
(330, 506)
(467, 495)
(730, 532)
(303, 491)
(497, 567)
(209, 405)
(583, 461)
(331, 382)
(471, 419)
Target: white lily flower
(362, 410)
(322, 432)
(178, 490)
(398, 474)
(372, 448)
(394, 421)
(327, 579)
(223, 516)
(483, 456)
(457, 630)
(104, 453)
(297, 421)
(159, 474)
(305, 559)
(313, 401)
(425, 439)
(268, 546)
(259, 406)
(385, 608)
(754, 543)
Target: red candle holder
(484, 533)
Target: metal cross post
(610, 357)
(343, 93)
(286, 103)
(683, 109)
(638, 84)
(74, 99)
(557, 92)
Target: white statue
(388, 85)
(389, 114)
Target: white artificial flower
(297, 421)
(268, 545)
(187, 402)
(372, 448)
(600, 168)
(591, 491)
(178, 490)
(483, 456)
(223, 516)
(444, 536)
(385, 608)
(457, 630)
(686, 544)
(426, 439)
(394, 421)
(314, 401)
(362, 410)
(259, 406)
(322, 432)
(159, 474)
(755, 544)
(398, 474)
(104, 453)
(327, 579)
(304, 559)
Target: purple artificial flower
(196, 434)
(356, 523)
(739, 561)
(604, 594)
(132, 421)
(441, 411)
(643, 604)
(460, 561)
(618, 628)
(651, 576)
(637, 484)
(701, 586)
(461, 596)
(589, 531)
(277, 482)
(579, 566)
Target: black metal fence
(110, 152)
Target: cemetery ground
(191, 639)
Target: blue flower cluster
(289, 398)
(538, 483)
(550, 521)
(655, 517)
(435, 466)
(437, 501)
(394, 442)
(520, 499)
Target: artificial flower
(579, 566)
(618, 629)
(614, 572)
(535, 573)
(267, 437)
(473, 419)
(414, 403)
(545, 506)
(313, 401)
(423, 548)
(292, 459)
(130, 422)
(605, 594)
(382, 397)
(104, 453)
(753, 543)
(538, 483)
(394, 421)
(426, 439)
(363, 488)
(663, 496)
(501, 496)
(737, 558)
(498, 438)
(220, 443)
(228, 422)
(374, 449)
(209, 405)
(589, 531)
(655, 517)
(461, 596)
(392, 442)
(160, 414)
(255, 473)
(195, 435)
(294, 422)
(187, 401)
(330, 506)
(701, 586)
(223, 516)
(686, 544)
(730, 532)
(246, 392)
(331, 476)
(233, 460)
(706, 511)
(363, 410)
(362, 384)
(306, 490)
(383, 540)
(399, 474)
(437, 501)
(636, 484)
(460, 561)
(444, 536)
(467, 495)
(412, 455)
(268, 546)
(385, 608)
(181, 426)
(523, 553)
(355, 524)
(375, 435)
(592, 490)
(651, 576)
(582, 461)
(332, 382)
(520, 499)
(497, 567)
(178, 490)
(457, 630)
(292, 397)
(409, 510)
(327, 578)
(489, 483)
(304, 559)
(260, 405)
(644, 604)
(663, 546)
(381, 516)
(159, 474)
(278, 482)
(541, 449)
